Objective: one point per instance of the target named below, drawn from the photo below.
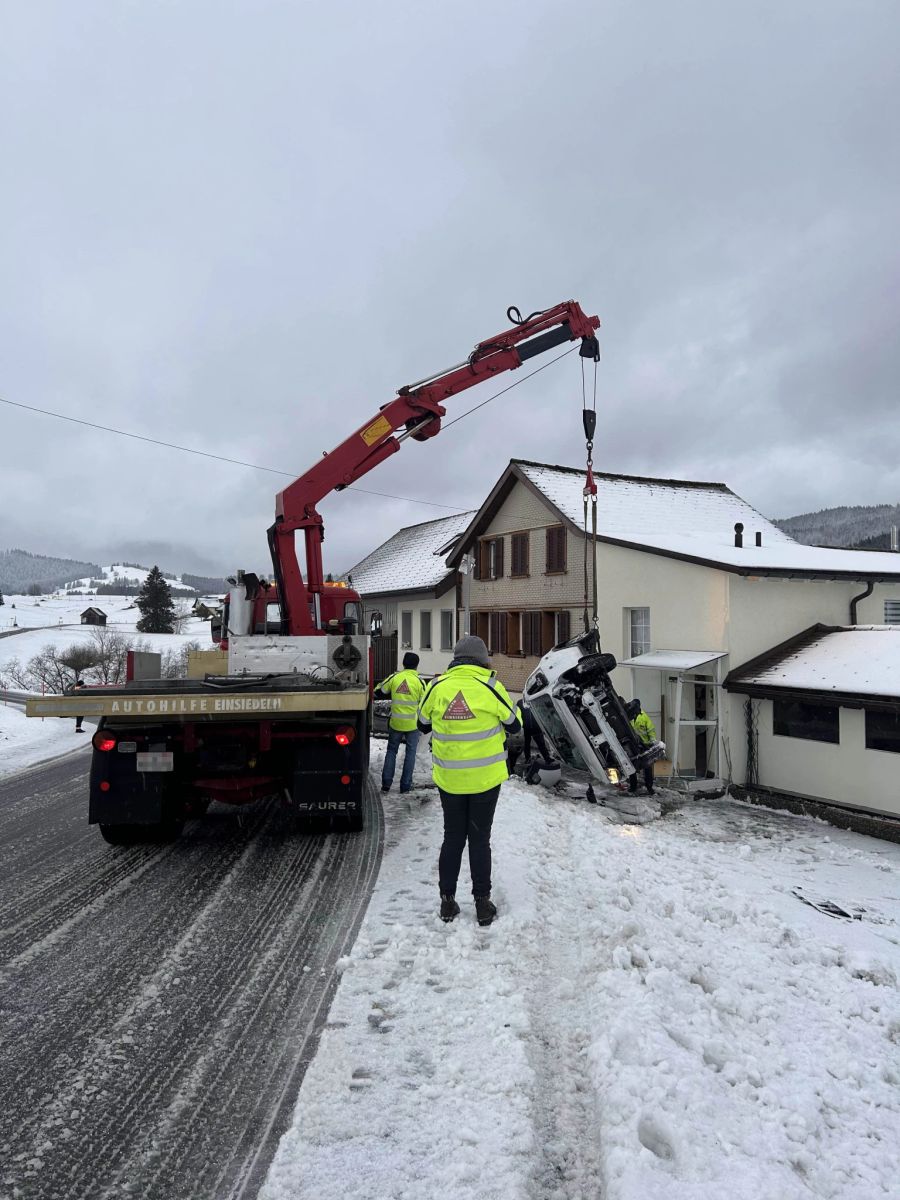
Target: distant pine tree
(1, 600)
(155, 602)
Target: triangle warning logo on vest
(404, 688)
(458, 710)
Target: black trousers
(467, 819)
(648, 780)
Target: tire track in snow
(564, 1103)
(179, 1014)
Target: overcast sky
(242, 224)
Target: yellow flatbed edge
(224, 704)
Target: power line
(236, 462)
(503, 391)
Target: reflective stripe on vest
(466, 709)
(463, 764)
(478, 736)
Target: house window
(892, 612)
(519, 554)
(480, 626)
(513, 633)
(638, 631)
(406, 630)
(425, 629)
(556, 550)
(815, 722)
(563, 627)
(531, 633)
(497, 633)
(883, 730)
(490, 558)
(446, 628)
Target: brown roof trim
(761, 691)
(437, 591)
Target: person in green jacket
(468, 713)
(405, 690)
(646, 734)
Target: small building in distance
(93, 616)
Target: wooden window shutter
(519, 553)
(556, 549)
(512, 634)
(498, 558)
(563, 626)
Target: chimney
(758, 538)
(738, 534)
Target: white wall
(846, 773)
(434, 660)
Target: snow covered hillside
(28, 624)
(655, 1015)
(129, 575)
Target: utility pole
(467, 568)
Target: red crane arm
(416, 412)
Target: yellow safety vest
(406, 690)
(467, 709)
(644, 728)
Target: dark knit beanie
(472, 648)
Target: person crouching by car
(468, 713)
(405, 690)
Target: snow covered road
(654, 1016)
(159, 1005)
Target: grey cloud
(243, 228)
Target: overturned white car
(575, 704)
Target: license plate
(155, 760)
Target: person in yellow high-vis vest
(404, 689)
(468, 713)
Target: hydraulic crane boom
(416, 412)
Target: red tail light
(345, 735)
(103, 741)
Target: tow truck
(292, 711)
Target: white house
(409, 594)
(692, 581)
(822, 717)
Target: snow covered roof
(413, 560)
(673, 660)
(686, 519)
(854, 663)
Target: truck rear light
(345, 779)
(345, 735)
(104, 785)
(103, 741)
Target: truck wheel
(165, 831)
(354, 822)
(123, 835)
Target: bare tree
(111, 650)
(78, 658)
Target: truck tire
(136, 835)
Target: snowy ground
(56, 620)
(654, 1016)
(24, 741)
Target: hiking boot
(449, 907)
(485, 910)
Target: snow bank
(24, 741)
(653, 1015)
